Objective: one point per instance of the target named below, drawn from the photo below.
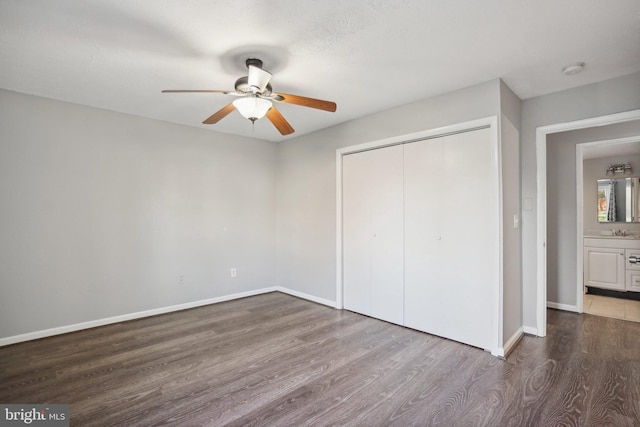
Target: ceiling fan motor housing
(254, 61)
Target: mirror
(618, 200)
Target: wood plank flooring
(277, 360)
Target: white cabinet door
(604, 268)
(452, 237)
(373, 233)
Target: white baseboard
(565, 307)
(530, 330)
(122, 318)
(510, 344)
(308, 297)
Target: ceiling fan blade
(306, 102)
(258, 78)
(194, 91)
(279, 121)
(219, 115)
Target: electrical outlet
(234, 272)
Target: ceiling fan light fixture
(252, 108)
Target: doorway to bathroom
(610, 217)
(565, 290)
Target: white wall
(608, 97)
(306, 180)
(102, 213)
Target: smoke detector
(572, 69)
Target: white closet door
(452, 237)
(356, 233)
(373, 233)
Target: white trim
(339, 272)
(541, 239)
(510, 344)
(579, 228)
(131, 316)
(530, 331)
(307, 297)
(156, 311)
(458, 127)
(541, 211)
(565, 307)
(498, 313)
(492, 122)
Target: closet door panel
(373, 233)
(356, 233)
(387, 278)
(423, 192)
(472, 237)
(451, 237)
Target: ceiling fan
(255, 96)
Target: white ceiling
(367, 56)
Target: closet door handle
(634, 259)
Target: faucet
(619, 232)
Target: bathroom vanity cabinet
(612, 263)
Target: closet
(421, 235)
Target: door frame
(580, 149)
(541, 211)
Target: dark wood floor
(278, 360)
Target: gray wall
(102, 213)
(608, 97)
(148, 185)
(512, 276)
(306, 181)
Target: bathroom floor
(612, 307)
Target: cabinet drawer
(629, 253)
(633, 281)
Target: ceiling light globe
(252, 108)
